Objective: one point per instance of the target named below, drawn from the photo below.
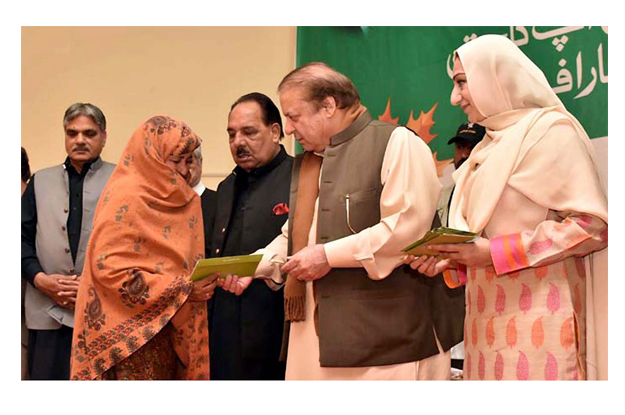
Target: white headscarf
(520, 107)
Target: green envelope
(438, 236)
(240, 265)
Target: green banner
(403, 73)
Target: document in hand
(438, 236)
(241, 265)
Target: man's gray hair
(197, 153)
(321, 81)
(87, 110)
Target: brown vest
(365, 322)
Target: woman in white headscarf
(531, 190)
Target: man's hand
(474, 254)
(428, 265)
(203, 290)
(61, 289)
(309, 264)
(235, 284)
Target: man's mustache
(80, 148)
(243, 151)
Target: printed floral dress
(526, 316)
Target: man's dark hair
(25, 166)
(269, 111)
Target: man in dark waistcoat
(57, 214)
(361, 192)
(252, 205)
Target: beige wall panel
(132, 73)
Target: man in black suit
(207, 197)
(252, 205)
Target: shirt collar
(94, 164)
(354, 128)
(199, 188)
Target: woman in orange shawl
(135, 314)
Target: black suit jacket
(259, 311)
(209, 206)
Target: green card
(438, 236)
(240, 265)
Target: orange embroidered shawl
(147, 235)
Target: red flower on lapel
(280, 209)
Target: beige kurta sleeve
(407, 206)
(274, 255)
(576, 234)
(576, 220)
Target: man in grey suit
(58, 206)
